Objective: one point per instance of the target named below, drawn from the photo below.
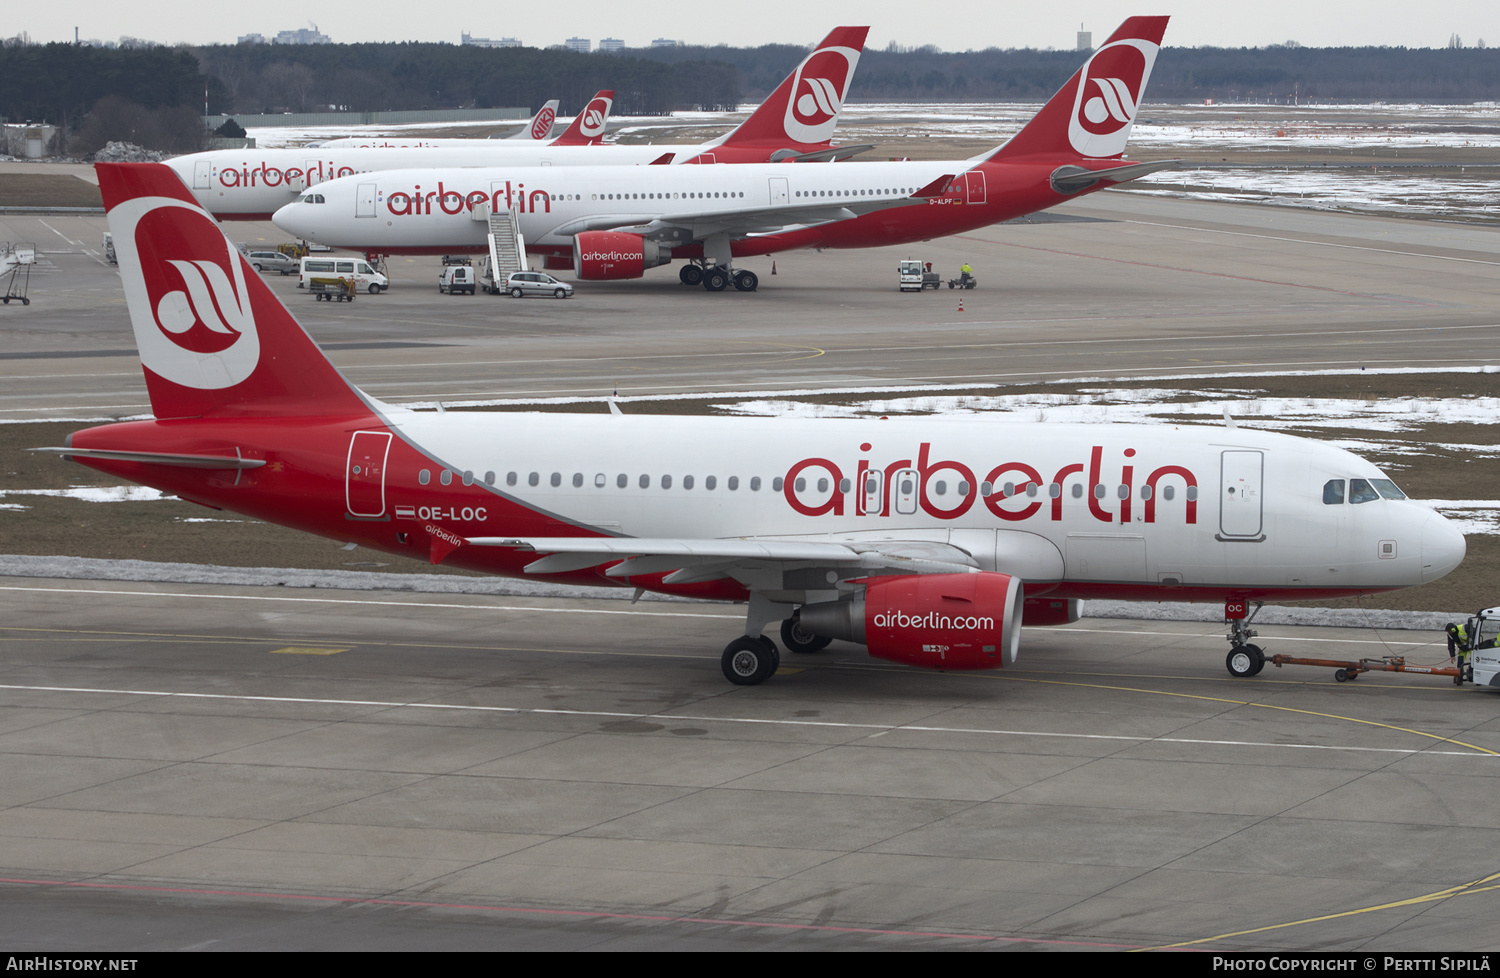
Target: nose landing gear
(1244, 660)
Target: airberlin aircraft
(795, 122)
(586, 129)
(927, 541)
(616, 222)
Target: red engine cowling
(941, 621)
(603, 255)
(1053, 611)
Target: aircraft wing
(746, 559)
(690, 225)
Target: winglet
(588, 126)
(662, 160)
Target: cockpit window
(1387, 488)
(1333, 492)
(1360, 491)
(307, 198)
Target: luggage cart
(15, 266)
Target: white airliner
(616, 222)
(251, 184)
(928, 541)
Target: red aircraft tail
(804, 109)
(212, 337)
(587, 127)
(1092, 115)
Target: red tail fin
(1092, 115)
(587, 127)
(212, 337)
(804, 109)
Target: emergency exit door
(364, 201)
(364, 475)
(779, 192)
(1240, 502)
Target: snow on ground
(95, 494)
(1368, 189)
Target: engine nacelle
(941, 621)
(1053, 611)
(603, 255)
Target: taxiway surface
(1112, 285)
(197, 766)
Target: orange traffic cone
(960, 303)
(773, 268)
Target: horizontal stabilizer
(830, 155)
(936, 188)
(161, 458)
(1076, 179)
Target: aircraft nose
(288, 217)
(1443, 548)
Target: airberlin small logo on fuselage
(1109, 93)
(818, 91)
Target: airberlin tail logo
(817, 95)
(185, 287)
(542, 124)
(594, 116)
(1110, 87)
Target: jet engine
(599, 255)
(941, 621)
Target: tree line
(155, 91)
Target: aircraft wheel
(746, 281)
(747, 661)
(690, 275)
(1245, 661)
(516, 293)
(716, 280)
(798, 639)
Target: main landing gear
(717, 278)
(1244, 660)
(753, 658)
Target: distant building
(665, 42)
(303, 36)
(1085, 40)
(467, 40)
(253, 39)
(611, 44)
(580, 44)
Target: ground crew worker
(964, 274)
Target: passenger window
(533, 479)
(1333, 492)
(489, 478)
(468, 477)
(687, 482)
(776, 484)
(445, 477)
(734, 482)
(709, 482)
(622, 480)
(1361, 491)
(599, 481)
(755, 483)
(1077, 490)
(424, 477)
(510, 478)
(645, 482)
(577, 480)
(556, 479)
(666, 482)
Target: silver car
(536, 283)
(272, 261)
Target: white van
(365, 278)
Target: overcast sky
(952, 27)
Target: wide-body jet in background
(616, 222)
(251, 184)
(928, 541)
(586, 129)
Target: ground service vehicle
(521, 284)
(273, 261)
(358, 271)
(456, 280)
(926, 540)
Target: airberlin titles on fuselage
(818, 487)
